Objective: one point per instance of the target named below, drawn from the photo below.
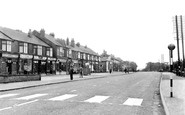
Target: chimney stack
(30, 33)
(52, 34)
(42, 33)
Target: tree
(151, 66)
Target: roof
(3, 36)
(21, 36)
(52, 39)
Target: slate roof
(2, 36)
(21, 36)
(82, 49)
(52, 39)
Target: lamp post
(171, 47)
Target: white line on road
(16, 105)
(27, 102)
(31, 96)
(5, 108)
(7, 95)
(97, 99)
(133, 102)
(63, 97)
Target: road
(129, 94)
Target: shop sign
(36, 57)
(9, 55)
(61, 60)
(51, 59)
(23, 56)
(39, 58)
(75, 61)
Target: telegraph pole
(182, 43)
(177, 33)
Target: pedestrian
(60, 69)
(110, 70)
(71, 72)
(81, 72)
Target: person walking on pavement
(81, 72)
(71, 72)
(110, 70)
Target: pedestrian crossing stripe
(96, 99)
(63, 97)
(7, 95)
(31, 96)
(133, 102)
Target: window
(61, 51)
(4, 45)
(21, 47)
(47, 51)
(78, 55)
(51, 52)
(58, 51)
(35, 50)
(25, 48)
(9, 46)
(39, 50)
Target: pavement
(173, 105)
(51, 79)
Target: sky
(134, 30)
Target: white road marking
(27, 102)
(96, 99)
(133, 102)
(5, 108)
(7, 95)
(31, 96)
(62, 97)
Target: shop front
(25, 64)
(8, 64)
(39, 65)
(51, 65)
(61, 65)
(75, 66)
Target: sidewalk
(51, 79)
(176, 104)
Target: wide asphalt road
(129, 94)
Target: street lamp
(171, 47)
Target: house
(58, 60)
(23, 53)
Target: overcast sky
(134, 30)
